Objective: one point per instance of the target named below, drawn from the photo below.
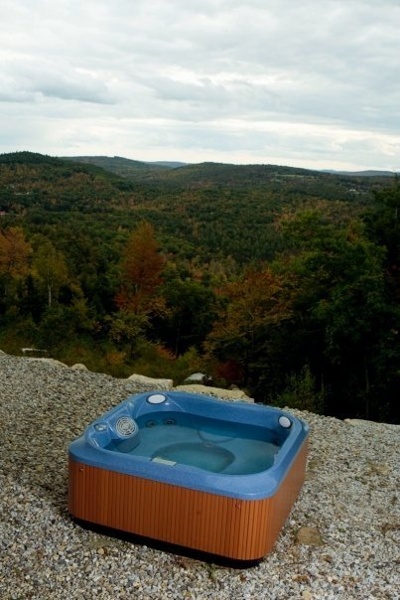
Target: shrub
(300, 392)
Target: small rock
(199, 378)
(309, 536)
(234, 395)
(156, 384)
(79, 367)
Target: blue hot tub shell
(112, 449)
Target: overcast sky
(313, 84)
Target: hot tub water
(213, 445)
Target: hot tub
(190, 470)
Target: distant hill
(33, 183)
(169, 164)
(207, 210)
(363, 173)
(210, 174)
(124, 167)
(179, 171)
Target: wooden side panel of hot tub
(229, 527)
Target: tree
(49, 267)
(251, 307)
(341, 316)
(389, 198)
(139, 297)
(189, 313)
(141, 270)
(15, 252)
(128, 328)
(383, 227)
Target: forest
(282, 281)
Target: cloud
(26, 80)
(206, 78)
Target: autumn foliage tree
(250, 308)
(141, 269)
(139, 295)
(15, 253)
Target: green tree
(49, 267)
(189, 314)
(301, 392)
(340, 310)
(128, 328)
(383, 228)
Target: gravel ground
(341, 541)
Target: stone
(198, 378)
(309, 536)
(235, 395)
(155, 384)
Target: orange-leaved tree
(15, 253)
(139, 296)
(250, 307)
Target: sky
(313, 84)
